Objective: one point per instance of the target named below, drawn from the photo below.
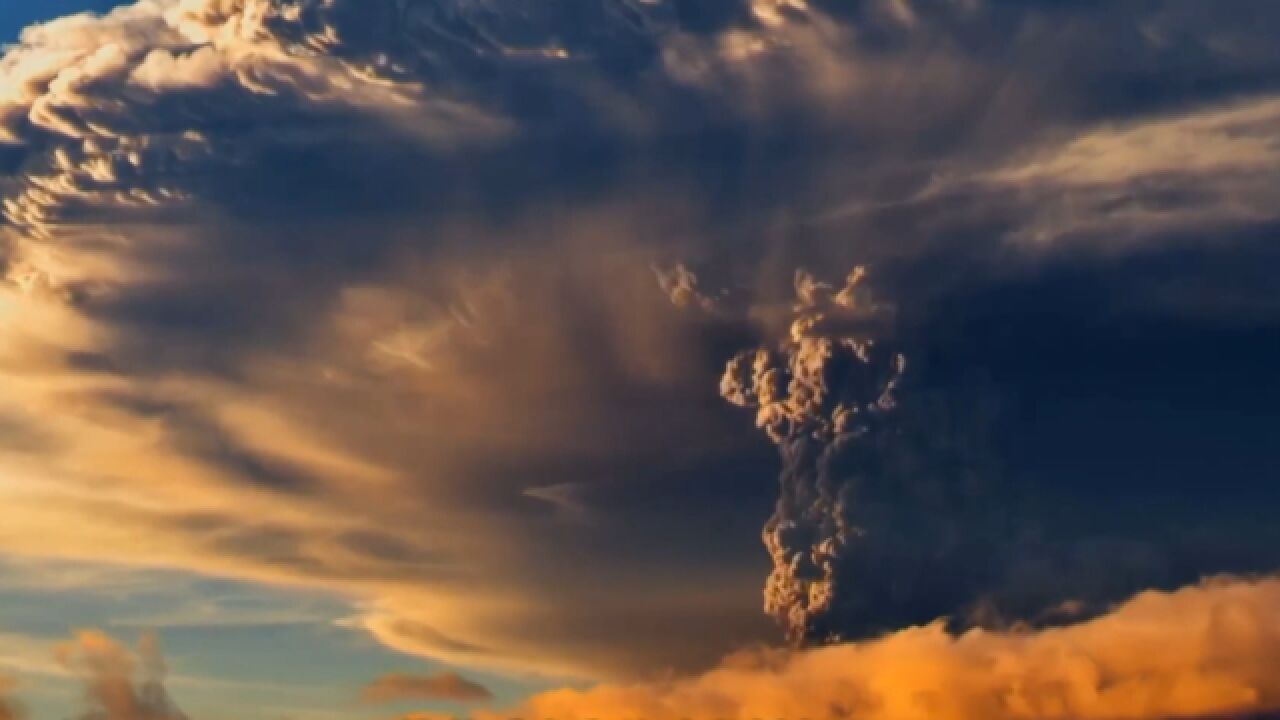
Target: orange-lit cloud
(9, 708)
(119, 684)
(1205, 650)
(355, 489)
(397, 687)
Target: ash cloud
(890, 509)
(815, 397)
(909, 498)
(412, 244)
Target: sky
(639, 359)
(18, 15)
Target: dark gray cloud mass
(1010, 475)
(383, 271)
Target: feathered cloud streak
(1207, 171)
(381, 272)
(1202, 651)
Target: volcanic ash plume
(825, 392)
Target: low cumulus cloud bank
(359, 295)
(1203, 651)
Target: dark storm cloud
(361, 294)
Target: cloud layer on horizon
(1202, 651)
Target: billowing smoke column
(825, 396)
(896, 504)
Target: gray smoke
(890, 512)
(896, 506)
(818, 397)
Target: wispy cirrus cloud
(1208, 171)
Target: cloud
(359, 296)
(564, 499)
(9, 709)
(1205, 650)
(814, 394)
(532, 406)
(197, 103)
(903, 497)
(119, 684)
(85, 76)
(449, 686)
(1209, 170)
